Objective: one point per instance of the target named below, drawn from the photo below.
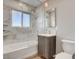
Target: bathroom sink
(47, 35)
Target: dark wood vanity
(46, 46)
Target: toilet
(68, 50)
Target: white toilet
(68, 48)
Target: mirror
(51, 17)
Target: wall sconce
(46, 4)
(20, 4)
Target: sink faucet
(49, 32)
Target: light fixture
(20, 4)
(42, 0)
(46, 4)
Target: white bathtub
(20, 50)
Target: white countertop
(47, 35)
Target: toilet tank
(68, 46)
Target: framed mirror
(51, 17)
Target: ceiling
(34, 3)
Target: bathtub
(20, 50)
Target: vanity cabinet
(46, 46)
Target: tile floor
(37, 58)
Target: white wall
(65, 18)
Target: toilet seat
(63, 55)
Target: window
(20, 19)
(26, 23)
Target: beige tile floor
(37, 58)
(34, 57)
